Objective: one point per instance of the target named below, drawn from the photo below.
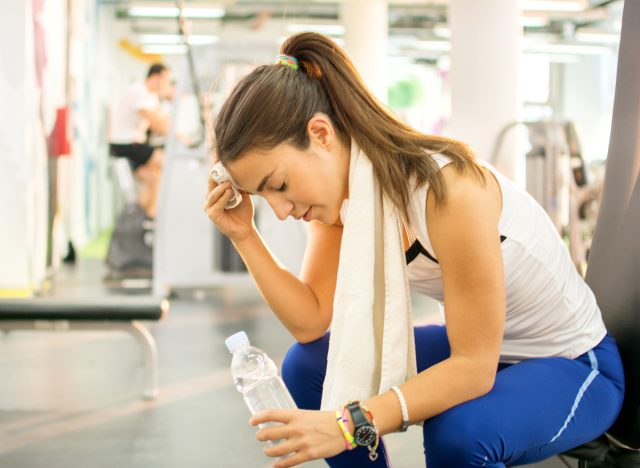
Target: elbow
(307, 337)
(160, 129)
(485, 384)
(481, 376)
(314, 329)
(308, 334)
(485, 379)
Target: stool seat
(594, 451)
(601, 453)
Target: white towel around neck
(372, 346)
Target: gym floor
(71, 399)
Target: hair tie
(288, 61)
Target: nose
(280, 206)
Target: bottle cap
(237, 341)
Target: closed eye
(283, 187)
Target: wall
(23, 165)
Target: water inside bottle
(267, 394)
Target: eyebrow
(264, 181)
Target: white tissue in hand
(219, 175)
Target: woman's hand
(236, 223)
(306, 435)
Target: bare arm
(465, 237)
(303, 305)
(158, 121)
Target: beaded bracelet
(350, 443)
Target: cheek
(317, 189)
(320, 191)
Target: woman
(523, 368)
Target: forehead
(249, 170)
(164, 74)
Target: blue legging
(537, 407)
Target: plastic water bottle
(256, 377)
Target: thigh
(303, 371)
(537, 408)
(156, 160)
(305, 365)
(432, 345)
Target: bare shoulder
(469, 215)
(467, 190)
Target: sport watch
(364, 432)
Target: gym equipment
(556, 177)
(614, 261)
(109, 313)
(130, 252)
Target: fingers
(274, 415)
(292, 450)
(272, 433)
(211, 184)
(278, 434)
(222, 191)
(282, 449)
(296, 459)
(302, 437)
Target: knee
(303, 371)
(456, 438)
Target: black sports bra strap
(417, 249)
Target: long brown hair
(274, 103)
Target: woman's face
(308, 184)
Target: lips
(307, 215)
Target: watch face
(365, 435)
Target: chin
(336, 221)
(328, 217)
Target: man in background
(133, 114)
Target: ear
(321, 131)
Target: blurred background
(528, 84)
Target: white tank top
(126, 125)
(550, 310)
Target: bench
(108, 313)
